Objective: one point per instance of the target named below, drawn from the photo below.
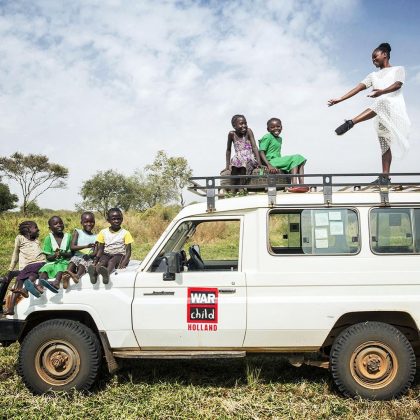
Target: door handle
(227, 291)
(160, 293)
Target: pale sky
(105, 84)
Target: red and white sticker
(202, 309)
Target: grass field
(256, 387)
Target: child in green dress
(56, 247)
(270, 151)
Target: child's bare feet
(39, 288)
(66, 280)
(9, 311)
(73, 276)
(21, 292)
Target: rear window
(314, 232)
(395, 231)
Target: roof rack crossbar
(271, 183)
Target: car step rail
(177, 354)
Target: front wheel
(59, 355)
(372, 360)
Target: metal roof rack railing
(217, 186)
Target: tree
(144, 192)
(161, 182)
(107, 189)
(178, 171)
(35, 174)
(168, 177)
(7, 199)
(33, 209)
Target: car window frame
(413, 226)
(204, 219)
(287, 209)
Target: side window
(217, 240)
(314, 232)
(395, 231)
(203, 245)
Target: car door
(204, 307)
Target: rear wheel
(59, 355)
(372, 360)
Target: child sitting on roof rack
(270, 150)
(246, 157)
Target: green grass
(254, 388)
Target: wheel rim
(373, 365)
(57, 362)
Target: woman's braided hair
(25, 227)
(385, 48)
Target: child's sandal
(49, 285)
(30, 287)
(93, 275)
(103, 271)
(298, 189)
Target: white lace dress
(391, 122)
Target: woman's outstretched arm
(348, 95)
(378, 92)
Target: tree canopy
(107, 189)
(161, 182)
(169, 176)
(35, 174)
(8, 200)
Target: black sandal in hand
(346, 126)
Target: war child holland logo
(202, 309)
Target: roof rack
(218, 186)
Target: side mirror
(173, 265)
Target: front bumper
(10, 330)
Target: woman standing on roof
(388, 108)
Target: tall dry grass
(145, 228)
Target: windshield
(178, 238)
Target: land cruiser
(330, 278)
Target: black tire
(372, 360)
(59, 355)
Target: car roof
(287, 199)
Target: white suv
(326, 278)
